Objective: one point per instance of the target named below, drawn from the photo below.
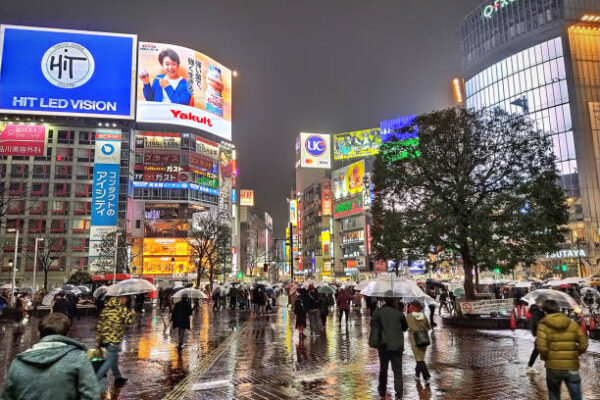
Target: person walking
(343, 303)
(560, 342)
(417, 323)
(314, 305)
(181, 319)
(323, 310)
(537, 314)
(233, 297)
(388, 325)
(109, 334)
(300, 310)
(61, 305)
(56, 367)
(431, 292)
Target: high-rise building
(541, 58)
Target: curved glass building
(541, 58)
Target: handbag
(422, 338)
(96, 357)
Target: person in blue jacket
(169, 87)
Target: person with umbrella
(109, 334)
(61, 305)
(301, 310)
(181, 318)
(343, 302)
(537, 313)
(388, 325)
(417, 322)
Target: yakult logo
(67, 65)
(315, 145)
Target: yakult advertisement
(180, 86)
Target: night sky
(323, 66)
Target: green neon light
(497, 5)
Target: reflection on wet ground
(233, 355)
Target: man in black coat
(181, 318)
(536, 316)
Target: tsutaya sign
(567, 253)
(495, 6)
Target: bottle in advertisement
(214, 91)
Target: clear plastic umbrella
(361, 285)
(541, 295)
(306, 284)
(524, 284)
(190, 293)
(391, 286)
(101, 291)
(47, 300)
(130, 287)
(84, 289)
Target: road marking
(187, 384)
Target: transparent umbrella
(101, 291)
(541, 295)
(84, 289)
(47, 300)
(458, 291)
(190, 293)
(361, 285)
(129, 287)
(391, 286)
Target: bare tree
(255, 257)
(106, 254)
(50, 249)
(206, 236)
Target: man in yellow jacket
(560, 342)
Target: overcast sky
(323, 66)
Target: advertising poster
(294, 212)
(105, 189)
(22, 140)
(326, 200)
(247, 197)
(356, 144)
(315, 151)
(226, 172)
(397, 129)
(348, 180)
(180, 86)
(66, 72)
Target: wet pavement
(233, 355)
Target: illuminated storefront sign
(497, 5)
(326, 198)
(247, 197)
(167, 256)
(348, 180)
(293, 212)
(348, 207)
(176, 185)
(315, 150)
(353, 237)
(22, 140)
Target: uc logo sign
(68, 65)
(108, 149)
(315, 145)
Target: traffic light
(564, 267)
(497, 270)
(240, 275)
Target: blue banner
(64, 72)
(105, 197)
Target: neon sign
(490, 9)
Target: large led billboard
(66, 72)
(348, 180)
(356, 144)
(315, 151)
(179, 86)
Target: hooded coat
(560, 341)
(417, 321)
(181, 314)
(56, 367)
(112, 321)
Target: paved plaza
(234, 355)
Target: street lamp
(35, 257)
(14, 266)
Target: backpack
(299, 306)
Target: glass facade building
(540, 58)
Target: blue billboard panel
(66, 72)
(105, 196)
(401, 128)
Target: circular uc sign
(315, 145)
(68, 65)
(108, 149)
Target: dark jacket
(560, 341)
(388, 323)
(62, 306)
(56, 367)
(181, 314)
(323, 305)
(536, 317)
(313, 302)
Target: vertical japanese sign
(105, 196)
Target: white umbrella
(47, 300)
(391, 286)
(190, 293)
(524, 284)
(7, 286)
(361, 285)
(101, 291)
(540, 295)
(306, 284)
(571, 280)
(130, 287)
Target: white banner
(487, 306)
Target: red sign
(192, 117)
(326, 202)
(23, 140)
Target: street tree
(51, 249)
(255, 257)
(207, 237)
(105, 262)
(482, 184)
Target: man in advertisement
(169, 87)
